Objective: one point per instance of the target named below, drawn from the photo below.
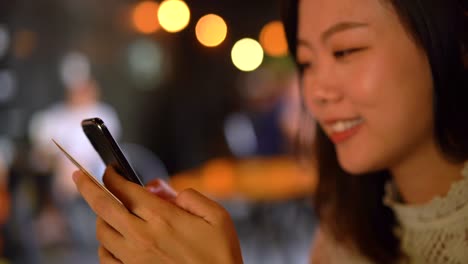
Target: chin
(358, 165)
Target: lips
(340, 130)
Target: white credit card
(81, 168)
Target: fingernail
(155, 189)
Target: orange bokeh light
(145, 17)
(211, 30)
(25, 41)
(273, 39)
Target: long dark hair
(350, 207)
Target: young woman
(386, 82)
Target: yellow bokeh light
(247, 54)
(273, 39)
(145, 17)
(173, 15)
(211, 30)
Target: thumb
(162, 190)
(201, 206)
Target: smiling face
(366, 81)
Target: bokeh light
(173, 15)
(145, 60)
(7, 86)
(247, 54)
(25, 41)
(273, 39)
(211, 30)
(4, 40)
(7, 150)
(145, 17)
(240, 135)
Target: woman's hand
(150, 229)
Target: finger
(162, 190)
(110, 239)
(105, 257)
(103, 205)
(137, 199)
(128, 192)
(199, 205)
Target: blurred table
(255, 179)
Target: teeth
(341, 126)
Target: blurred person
(296, 123)
(269, 122)
(61, 122)
(65, 211)
(386, 83)
(264, 99)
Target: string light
(247, 54)
(273, 39)
(145, 17)
(211, 30)
(173, 15)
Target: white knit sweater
(434, 233)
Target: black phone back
(108, 149)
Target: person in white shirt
(61, 122)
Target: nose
(325, 96)
(322, 88)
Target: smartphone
(108, 149)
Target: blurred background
(202, 94)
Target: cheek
(307, 95)
(402, 89)
(388, 82)
(364, 81)
(395, 97)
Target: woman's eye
(346, 52)
(304, 65)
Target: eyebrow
(341, 26)
(338, 27)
